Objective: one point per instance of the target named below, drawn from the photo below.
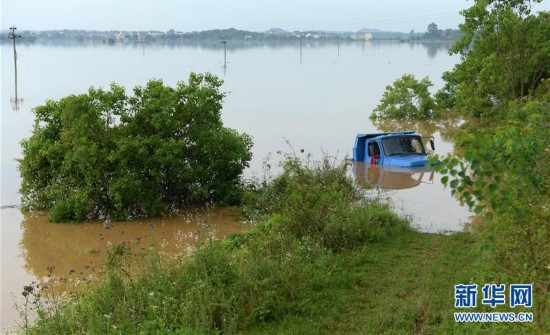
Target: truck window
(374, 150)
(402, 145)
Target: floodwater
(74, 248)
(315, 97)
(33, 248)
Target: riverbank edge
(402, 284)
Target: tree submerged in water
(105, 154)
(407, 99)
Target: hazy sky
(255, 15)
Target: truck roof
(377, 135)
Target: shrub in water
(107, 154)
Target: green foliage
(107, 154)
(505, 177)
(320, 201)
(505, 55)
(408, 98)
(503, 173)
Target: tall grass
(318, 200)
(279, 269)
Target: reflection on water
(424, 128)
(417, 194)
(447, 126)
(390, 177)
(433, 49)
(16, 103)
(77, 248)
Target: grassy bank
(320, 259)
(400, 286)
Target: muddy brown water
(62, 256)
(317, 98)
(77, 246)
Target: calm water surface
(316, 97)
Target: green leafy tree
(408, 98)
(505, 53)
(107, 154)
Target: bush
(108, 155)
(320, 201)
(408, 98)
(372, 222)
(504, 177)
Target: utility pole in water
(13, 36)
(224, 53)
(224, 42)
(300, 50)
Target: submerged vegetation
(108, 155)
(407, 99)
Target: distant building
(156, 34)
(141, 35)
(119, 36)
(361, 36)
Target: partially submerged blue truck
(402, 149)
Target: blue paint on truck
(402, 149)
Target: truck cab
(402, 149)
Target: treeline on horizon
(275, 34)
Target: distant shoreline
(219, 35)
